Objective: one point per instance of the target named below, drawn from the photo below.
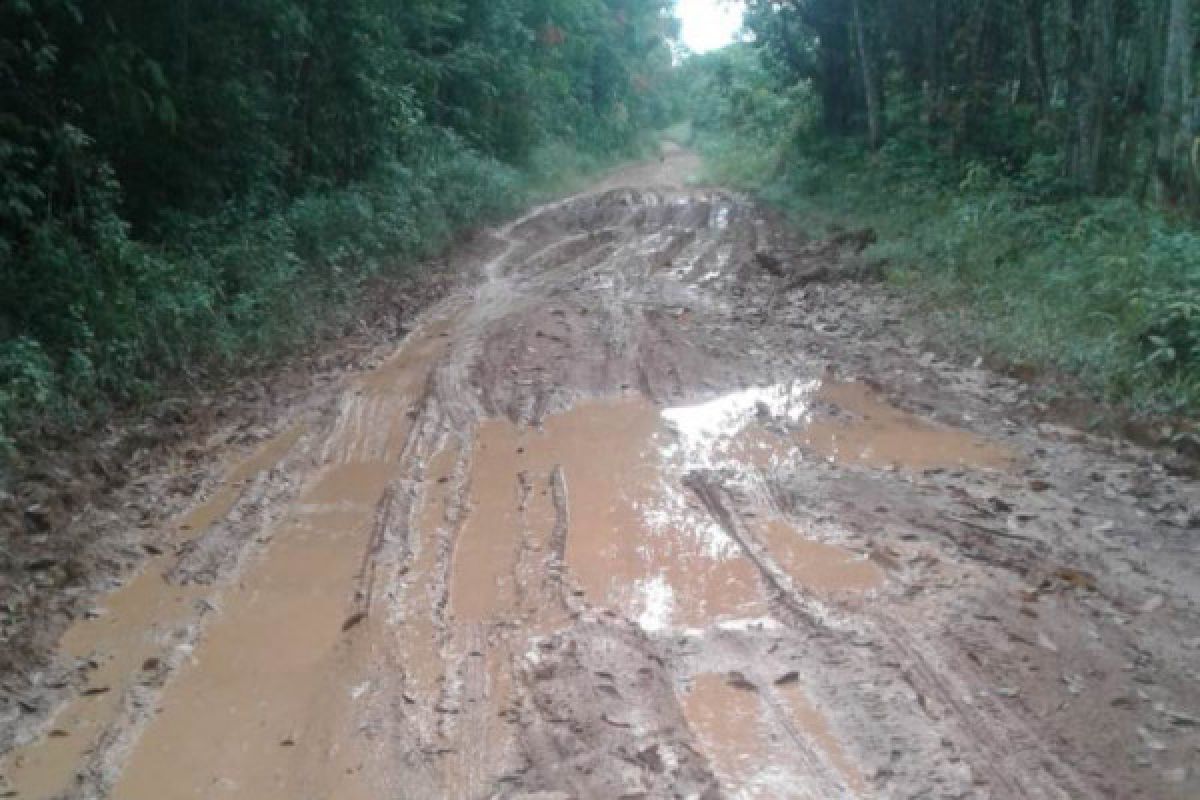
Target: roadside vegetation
(1028, 165)
(192, 188)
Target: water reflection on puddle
(721, 432)
(636, 542)
(846, 423)
(640, 543)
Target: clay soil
(658, 500)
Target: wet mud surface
(628, 515)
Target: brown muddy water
(263, 702)
(593, 530)
(748, 734)
(127, 638)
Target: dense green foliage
(1101, 88)
(1029, 228)
(188, 185)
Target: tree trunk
(935, 98)
(1093, 122)
(1091, 41)
(1074, 69)
(1035, 51)
(1174, 123)
(839, 95)
(872, 88)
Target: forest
(189, 187)
(1030, 167)
(591, 399)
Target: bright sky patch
(709, 24)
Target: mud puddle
(593, 509)
(222, 501)
(636, 542)
(728, 724)
(126, 644)
(128, 641)
(805, 721)
(848, 423)
(262, 697)
(639, 543)
(266, 706)
(500, 594)
(260, 676)
(419, 632)
(769, 743)
(817, 566)
(856, 426)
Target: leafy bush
(27, 379)
(1169, 343)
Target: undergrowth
(114, 321)
(1103, 289)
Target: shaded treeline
(1103, 87)
(190, 183)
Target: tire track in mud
(1001, 740)
(556, 546)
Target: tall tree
(872, 85)
(1172, 149)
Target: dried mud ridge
(659, 504)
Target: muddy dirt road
(662, 502)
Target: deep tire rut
(653, 506)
